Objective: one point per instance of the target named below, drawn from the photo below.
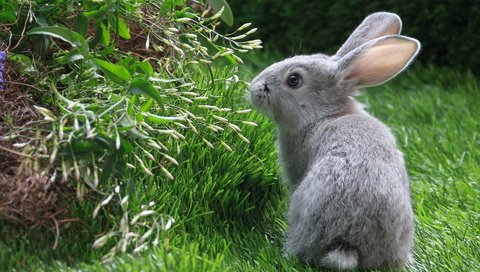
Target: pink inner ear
(382, 61)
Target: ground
(229, 206)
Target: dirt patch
(28, 194)
(16, 112)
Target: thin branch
(57, 233)
(22, 35)
(15, 152)
(24, 84)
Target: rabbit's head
(301, 89)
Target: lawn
(229, 206)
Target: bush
(448, 30)
(121, 85)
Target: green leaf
(107, 170)
(107, 51)
(167, 6)
(67, 35)
(7, 15)
(70, 57)
(144, 87)
(115, 73)
(163, 119)
(81, 25)
(85, 146)
(96, 37)
(20, 58)
(115, 157)
(183, 14)
(146, 67)
(128, 124)
(137, 134)
(126, 146)
(147, 105)
(132, 102)
(41, 21)
(98, 13)
(123, 30)
(81, 148)
(105, 38)
(118, 24)
(121, 167)
(109, 143)
(227, 15)
(131, 188)
(230, 59)
(106, 141)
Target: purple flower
(3, 56)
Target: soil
(27, 193)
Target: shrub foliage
(118, 85)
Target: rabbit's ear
(374, 26)
(378, 61)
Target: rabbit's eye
(294, 80)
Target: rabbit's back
(359, 138)
(354, 193)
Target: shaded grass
(229, 206)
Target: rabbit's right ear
(377, 61)
(374, 26)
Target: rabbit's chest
(294, 157)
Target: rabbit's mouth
(260, 97)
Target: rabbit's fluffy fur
(350, 205)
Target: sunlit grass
(435, 115)
(229, 206)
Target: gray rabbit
(350, 205)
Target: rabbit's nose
(259, 87)
(265, 88)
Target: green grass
(229, 206)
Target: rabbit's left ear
(374, 26)
(378, 60)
